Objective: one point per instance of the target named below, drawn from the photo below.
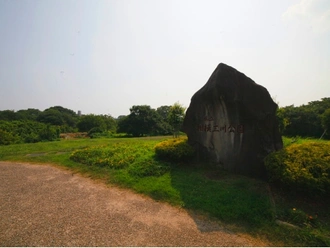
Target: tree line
(310, 120)
(32, 125)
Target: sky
(104, 56)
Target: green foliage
(163, 111)
(145, 121)
(48, 133)
(52, 117)
(26, 132)
(110, 123)
(148, 167)
(302, 167)
(176, 117)
(113, 157)
(176, 150)
(325, 119)
(142, 120)
(163, 126)
(65, 118)
(307, 120)
(95, 132)
(87, 122)
(139, 159)
(7, 138)
(28, 114)
(8, 115)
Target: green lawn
(243, 204)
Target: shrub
(26, 132)
(301, 167)
(148, 167)
(176, 150)
(7, 138)
(116, 156)
(95, 132)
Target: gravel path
(42, 205)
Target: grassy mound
(136, 158)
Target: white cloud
(314, 14)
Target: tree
(164, 127)
(7, 115)
(52, 117)
(175, 117)
(163, 111)
(59, 116)
(110, 122)
(325, 119)
(142, 120)
(69, 116)
(124, 125)
(305, 120)
(28, 114)
(87, 122)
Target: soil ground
(41, 205)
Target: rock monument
(231, 121)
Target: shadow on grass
(232, 199)
(246, 205)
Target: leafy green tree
(69, 116)
(163, 111)
(175, 117)
(28, 114)
(305, 120)
(325, 119)
(110, 122)
(59, 116)
(142, 120)
(283, 120)
(164, 127)
(52, 117)
(87, 122)
(7, 115)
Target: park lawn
(241, 203)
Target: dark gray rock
(231, 121)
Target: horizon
(109, 114)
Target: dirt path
(42, 205)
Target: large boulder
(231, 121)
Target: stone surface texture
(231, 121)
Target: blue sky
(103, 57)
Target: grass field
(242, 204)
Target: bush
(95, 132)
(26, 132)
(302, 168)
(139, 160)
(7, 138)
(148, 167)
(116, 156)
(176, 150)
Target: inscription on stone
(213, 127)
